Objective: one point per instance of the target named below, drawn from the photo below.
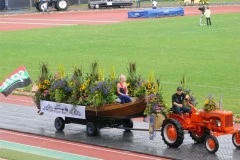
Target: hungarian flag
(17, 79)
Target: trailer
(59, 5)
(114, 115)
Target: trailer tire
(91, 129)
(61, 5)
(40, 6)
(199, 137)
(234, 140)
(37, 6)
(172, 133)
(59, 124)
(128, 123)
(211, 144)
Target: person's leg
(207, 20)
(186, 109)
(210, 21)
(176, 109)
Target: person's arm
(126, 88)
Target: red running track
(97, 17)
(73, 147)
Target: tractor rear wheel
(61, 5)
(236, 142)
(211, 144)
(172, 133)
(201, 136)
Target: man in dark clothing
(202, 9)
(178, 102)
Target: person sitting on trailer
(122, 90)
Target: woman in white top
(154, 4)
(207, 14)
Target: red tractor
(202, 126)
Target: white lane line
(79, 145)
(47, 24)
(60, 20)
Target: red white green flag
(17, 79)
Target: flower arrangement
(210, 104)
(135, 82)
(154, 98)
(101, 93)
(41, 88)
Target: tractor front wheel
(172, 133)
(236, 141)
(61, 5)
(211, 144)
(199, 137)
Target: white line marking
(60, 20)
(80, 145)
(47, 24)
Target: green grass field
(171, 47)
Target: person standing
(154, 4)
(207, 14)
(192, 2)
(45, 7)
(202, 9)
(138, 3)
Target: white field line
(80, 145)
(47, 24)
(59, 20)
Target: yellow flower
(43, 86)
(47, 82)
(149, 86)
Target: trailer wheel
(96, 6)
(236, 142)
(211, 144)
(201, 136)
(41, 6)
(61, 5)
(128, 123)
(37, 6)
(59, 124)
(91, 129)
(172, 133)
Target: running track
(94, 17)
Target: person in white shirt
(207, 14)
(154, 4)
